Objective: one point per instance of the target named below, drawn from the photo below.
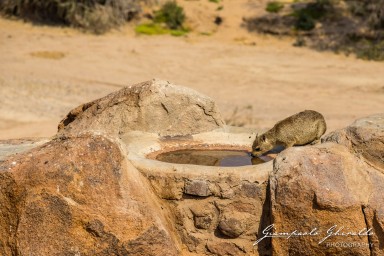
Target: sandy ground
(47, 71)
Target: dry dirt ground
(47, 71)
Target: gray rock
(224, 249)
(205, 216)
(234, 223)
(203, 222)
(364, 137)
(197, 188)
(155, 106)
(251, 190)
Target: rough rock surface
(364, 137)
(79, 197)
(212, 222)
(154, 106)
(84, 193)
(318, 187)
(79, 193)
(330, 185)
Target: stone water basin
(218, 151)
(207, 181)
(225, 158)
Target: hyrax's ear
(263, 138)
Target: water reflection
(211, 157)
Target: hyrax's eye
(257, 149)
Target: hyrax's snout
(256, 152)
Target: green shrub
(307, 15)
(158, 29)
(168, 20)
(178, 32)
(171, 14)
(305, 22)
(274, 7)
(151, 29)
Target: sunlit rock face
(154, 106)
(94, 190)
(79, 196)
(335, 188)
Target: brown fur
(300, 129)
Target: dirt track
(45, 72)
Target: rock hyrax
(300, 129)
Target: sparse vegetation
(371, 50)
(307, 15)
(274, 7)
(151, 29)
(96, 16)
(171, 14)
(168, 20)
(349, 26)
(158, 29)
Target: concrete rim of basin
(142, 148)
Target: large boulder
(364, 137)
(79, 196)
(154, 106)
(317, 188)
(329, 196)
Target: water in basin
(211, 157)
